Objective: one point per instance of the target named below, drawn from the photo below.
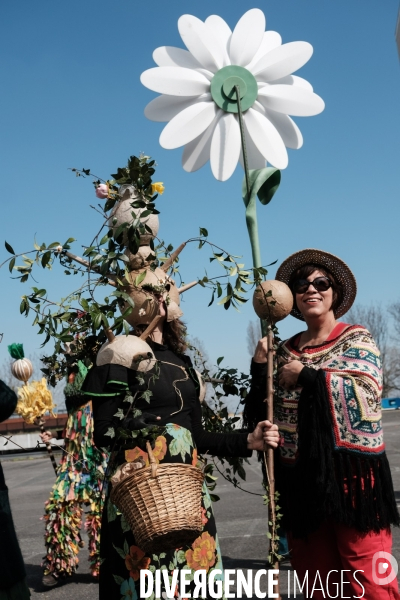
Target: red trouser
(335, 547)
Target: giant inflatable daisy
(199, 99)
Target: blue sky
(71, 97)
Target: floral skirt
(122, 559)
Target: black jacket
(12, 567)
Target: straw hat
(331, 262)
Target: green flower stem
(252, 226)
(250, 202)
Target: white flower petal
(247, 37)
(225, 147)
(291, 100)
(197, 152)
(188, 124)
(293, 80)
(200, 41)
(175, 81)
(169, 56)
(287, 128)
(283, 61)
(255, 159)
(183, 78)
(270, 41)
(221, 32)
(206, 73)
(165, 108)
(267, 139)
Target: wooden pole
(269, 461)
(40, 422)
(252, 227)
(170, 261)
(187, 286)
(110, 335)
(150, 328)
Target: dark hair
(306, 270)
(174, 335)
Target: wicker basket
(162, 504)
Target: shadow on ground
(34, 579)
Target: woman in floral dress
(174, 400)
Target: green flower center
(223, 90)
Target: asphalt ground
(241, 520)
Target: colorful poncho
(331, 463)
(79, 483)
(81, 471)
(352, 372)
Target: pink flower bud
(102, 191)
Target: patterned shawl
(353, 378)
(332, 462)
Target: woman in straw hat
(174, 400)
(331, 467)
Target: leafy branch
(77, 323)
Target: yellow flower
(34, 399)
(202, 553)
(160, 448)
(157, 187)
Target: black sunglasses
(321, 284)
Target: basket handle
(153, 462)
